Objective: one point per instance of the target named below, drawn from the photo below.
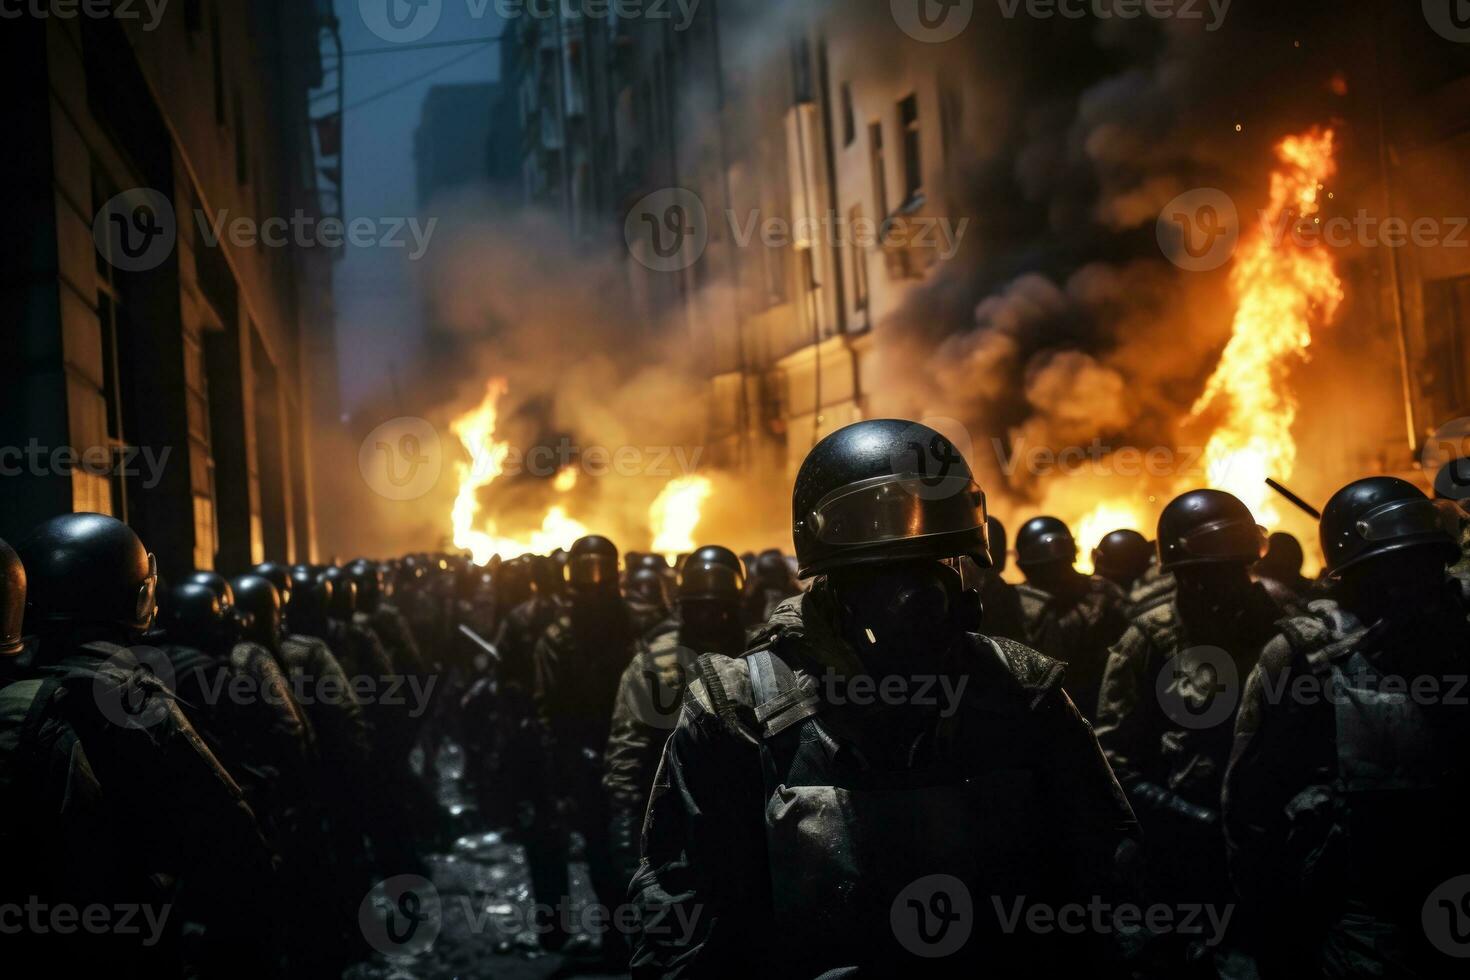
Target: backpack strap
(780, 701)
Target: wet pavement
(484, 908)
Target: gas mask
(907, 609)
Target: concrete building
(450, 146)
(815, 148)
(204, 352)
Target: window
(242, 143)
(880, 169)
(801, 70)
(1440, 371)
(856, 246)
(216, 53)
(849, 124)
(913, 164)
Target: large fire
(673, 517)
(1281, 290)
(487, 454)
(675, 514)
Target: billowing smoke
(1058, 326)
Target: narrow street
(485, 901)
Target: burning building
(960, 231)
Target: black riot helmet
(1381, 515)
(715, 553)
(310, 601)
(1284, 555)
(192, 614)
(1452, 482)
(259, 600)
(650, 561)
(999, 548)
(88, 570)
(344, 593)
(709, 594)
(216, 583)
(592, 565)
(12, 600)
(546, 577)
(1208, 527)
(276, 574)
(711, 579)
(513, 582)
(647, 585)
(370, 581)
(1044, 541)
(882, 491)
(771, 570)
(1122, 556)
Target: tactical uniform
(810, 887)
(1165, 715)
(1077, 630)
(798, 827)
(709, 590)
(1348, 784)
(1066, 615)
(126, 803)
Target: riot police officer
(1280, 571)
(817, 802)
(1349, 782)
(999, 598)
(145, 801)
(710, 588)
(771, 583)
(1169, 699)
(1122, 557)
(578, 664)
(1066, 614)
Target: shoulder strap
(780, 701)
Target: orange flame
(1280, 290)
(476, 432)
(675, 514)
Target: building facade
(179, 364)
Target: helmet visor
(1049, 547)
(1225, 541)
(592, 571)
(1411, 518)
(895, 508)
